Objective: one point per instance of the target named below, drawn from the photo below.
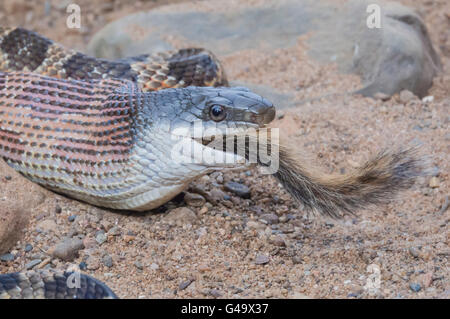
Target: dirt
(228, 248)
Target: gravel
(240, 190)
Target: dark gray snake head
(174, 130)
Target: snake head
(236, 107)
(202, 120)
(182, 134)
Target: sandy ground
(267, 246)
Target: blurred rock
(434, 182)
(67, 250)
(240, 190)
(406, 96)
(397, 56)
(195, 200)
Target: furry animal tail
(375, 182)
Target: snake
(83, 127)
(124, 134)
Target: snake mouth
(243, 145)
(232, 147)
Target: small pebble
(203, 268)
(184, 284)
(138, 265)
(93, 262)
(277, 241)
(72, 218)
(67, 249)
(195, 200)
(434, 182)
(58, 209)
(33, 263)
(414, 252)
(107, 261)
(428, 99)
(100, 238)
(215, 293)
(239, 189)
(415, 287)
(283, 219)
(115, 231)
(406, 96)
(261, 260)
(28, 247)
(82, 265)
(7, 257)
(129, 238)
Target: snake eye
(217, 112)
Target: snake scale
(108, 133)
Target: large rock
(18, 199)
(397, 56)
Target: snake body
(24, 50)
